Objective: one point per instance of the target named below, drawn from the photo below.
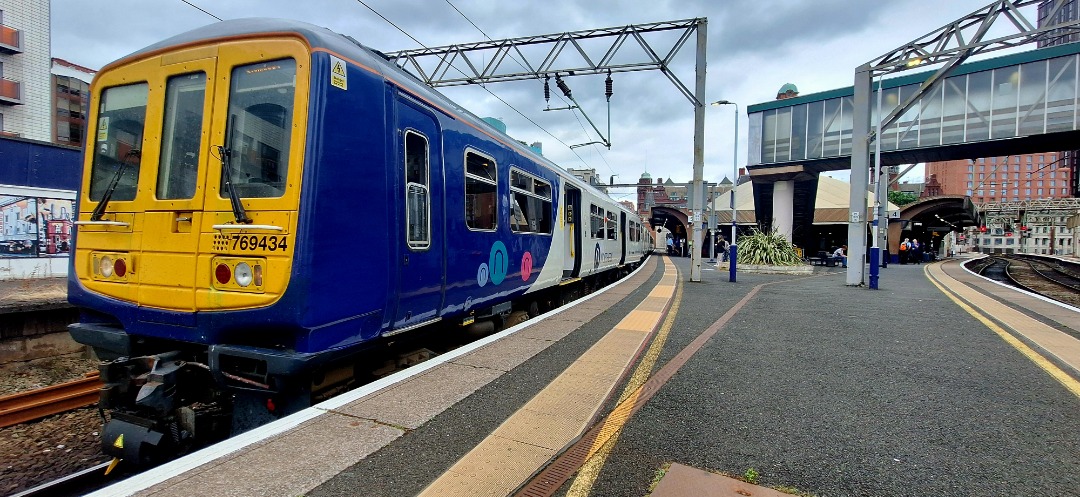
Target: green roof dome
(646, 175)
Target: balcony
(10, 40)
(10, 92)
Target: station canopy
(830, 206)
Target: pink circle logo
(526, 266)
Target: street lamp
(734, 186)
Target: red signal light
(1023, 228)
(982, 229)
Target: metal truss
(954, 43)
(461, 64)
(950, 46)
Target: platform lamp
(735, 184)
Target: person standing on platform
(905, 247)
(916, 251)
(670, 246)
(722, 248)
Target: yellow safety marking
(119, 443)
(1067, 381)
(338, 77)
(587, 475)
(112, 465)
(529, 438)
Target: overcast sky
(754, 47)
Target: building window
(481, 190)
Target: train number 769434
(260, 242)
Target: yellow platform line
(1039, 333)
(555, 416)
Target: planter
(754, 268)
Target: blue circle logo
(498, 262)
(596, 257)
(482, 274)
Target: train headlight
(243, 274)
(223, 273)
(106, 266)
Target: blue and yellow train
(263, 198)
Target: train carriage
(264, 198)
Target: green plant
(767, 249)
(751, 476)
(901, 198)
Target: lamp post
(735, 184)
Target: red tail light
(120, 267)
(223, 273)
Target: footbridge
(1019, 103)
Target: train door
(624, 237)
(174, 210)
(571, 232)
(421, 274)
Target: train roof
(324, 38)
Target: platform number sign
(338, 76)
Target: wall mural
(35, 226)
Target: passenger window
(612, 231)
(117, 154)
(481, 191)
(417, 210)
(181, 137)
(259, 129)
(531, 209)
(596, 218)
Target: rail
(34, 404)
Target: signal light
(1023, 228)
(982, 229)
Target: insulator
(607, 84)
(562, 86)
(547, 89)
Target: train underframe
(177, 397)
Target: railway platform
(935, 384)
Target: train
(263, 200)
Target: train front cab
(163, 246)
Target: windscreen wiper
(100, 209)
(226, 168)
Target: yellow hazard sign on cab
(338, 76)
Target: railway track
(35, 404)
(1048, 277)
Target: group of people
(681, 248)
(910, 251)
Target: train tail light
(243, 274)
(111, 266)
(223, 273)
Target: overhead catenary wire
(547, 91)
(204, 11)
(418, 42)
